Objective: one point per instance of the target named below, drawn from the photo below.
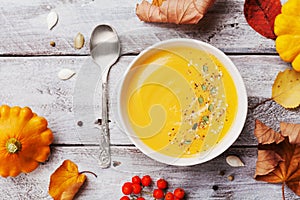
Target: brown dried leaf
(267, 161)
(266, 135)
(292, 131)
(286, 87)
(66, 181)
(157, 2)
(173, 11)
(279, 162)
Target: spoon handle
(104, 153)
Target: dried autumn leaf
(66, 181)
(266, 135)
(173, 11)
(261, 14)
(157, 2)
(286, 87)
(267, 161)
(292, 131)
(279, 163)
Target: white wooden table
(28, 77)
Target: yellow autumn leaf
(66, 181)
(286, 89)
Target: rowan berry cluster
(134, 190)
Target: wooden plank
(33, 81)
(198, 180)
(25, 32)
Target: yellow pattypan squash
(24, 140)
(287, 28)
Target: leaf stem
(282, 189)
(260, 103)
(88, 172)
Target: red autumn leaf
(261, 14)
(278, 160)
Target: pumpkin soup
(180, 101)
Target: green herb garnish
(210, 107)
(205, 118)
(205, 68)
(195, 126)
(200, 100)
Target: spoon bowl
(105, 46)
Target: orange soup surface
(181, 101)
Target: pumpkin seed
(234, 161)
(213, 90)
(200, 100)
(195, 126)
(205, 118)
(65, 74)
(52, 19)
(210, 107)
(205, 68)
(78, 41)
(187, 142)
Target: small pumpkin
(24, 140)
(287, 28)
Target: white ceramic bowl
(230, 136)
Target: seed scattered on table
(52, 19)
(79, 123)
(234, 161)
(222, 172)
(65, 74)
(52, 43)
(215, 187)
(78, 41)
(116, 163)
(230, 177)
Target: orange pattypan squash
(287, 28)
(24, 140)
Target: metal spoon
(105, 50)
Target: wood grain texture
(25, 32)
(33, 82)
(28, 77)
(198, 180)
